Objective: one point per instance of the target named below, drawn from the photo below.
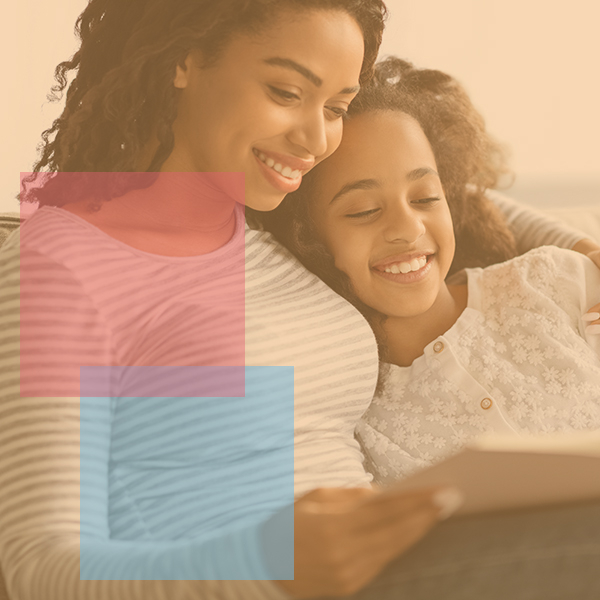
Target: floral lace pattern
(514, 361)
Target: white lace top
(517, 360)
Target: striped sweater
(96, 301)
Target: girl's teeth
(278, 168)
(406, 267)
(262, 156)
(270, 162)
(287, 172)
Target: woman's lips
(284, 173)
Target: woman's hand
(592, 250)
(344, 537)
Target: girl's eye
(426, 201)
(284, 94)
(337, 112)
(364, 213)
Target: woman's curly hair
(469, 163)
(122, 93)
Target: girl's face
(272, 104)
(381, 211)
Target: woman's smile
(271, 107)
(284, 173)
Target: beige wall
(531, 67)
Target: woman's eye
(284, 94)
(364, 213)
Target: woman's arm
(533, 229)
(40, 541)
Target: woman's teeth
(285, 171)
(406, 267)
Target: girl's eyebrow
(288, 63)
(421, 172)
(359, 184)
(370, 184)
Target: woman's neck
(180, 214)
(406, 337)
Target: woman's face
(272, 104)
(380, 209)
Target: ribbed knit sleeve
(533, 229)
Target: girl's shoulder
(537, 265)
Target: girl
(118, 267)
(400, 207)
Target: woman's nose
(404, 225)
(311, 133)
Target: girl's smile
(380, 208)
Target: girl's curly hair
(469, 163)
(122, 92)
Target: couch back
(8, 223)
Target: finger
(396, 506)
(594, 255)
(380, 548)
(592, 319)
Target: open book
(499, 472)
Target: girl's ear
(183, 71)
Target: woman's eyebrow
(360, 184)
(288, 63)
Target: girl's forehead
(385, 138)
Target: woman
(175, 87)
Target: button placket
(454, 371)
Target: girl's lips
(405, 278)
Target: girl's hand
(344, 537)
(592, 250)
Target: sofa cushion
(8, 223)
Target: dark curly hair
(122, 92)
(469, 163)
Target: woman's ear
(183, 70)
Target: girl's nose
(404, 225)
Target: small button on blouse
(486, 403)
(438, 347)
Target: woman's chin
(261, 202)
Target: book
(503, 472)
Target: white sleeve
(533, 229)
(575, 281)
